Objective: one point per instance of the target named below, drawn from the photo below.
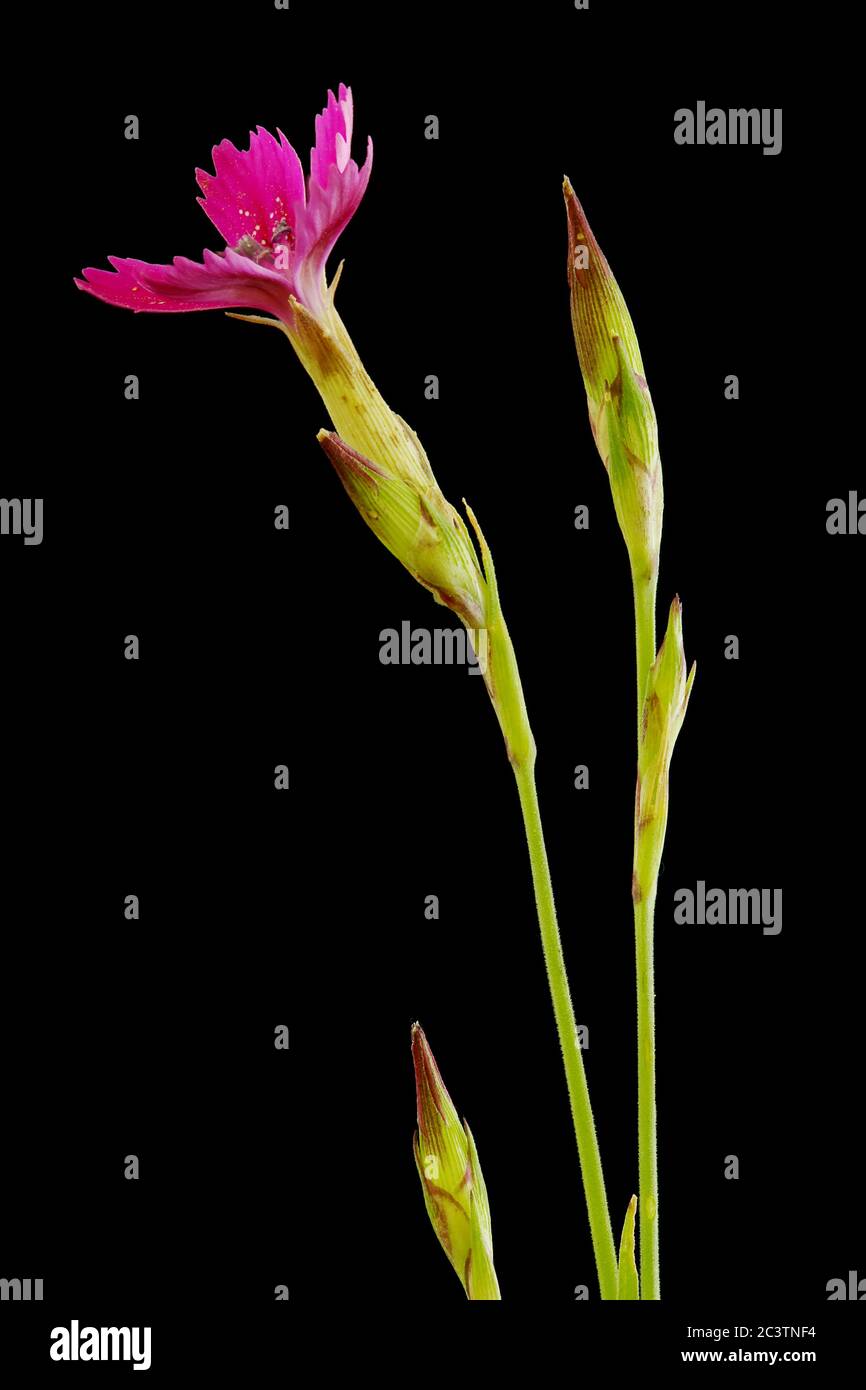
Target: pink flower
(278, 228)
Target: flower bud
(451, 1179)
(621, 411)
(419, 527)
(664, 709)
(383, 467)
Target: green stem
(578, 1091)
(506, 692)
(644, 913)
(648, 1179)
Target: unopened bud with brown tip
(418, 525)
(621, 411)
(454, 1192)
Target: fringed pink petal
(329, 210)
(253, 191)
(222, 282)
(278, 231)
(333, 137)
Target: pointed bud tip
(580, 234)
(675, 619)
(418, 1039)
(349, 461)
(431, 1093)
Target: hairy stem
(578, 1091)
(644, 895)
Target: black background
(261, 647)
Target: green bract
(666, 698)
(627, 1284)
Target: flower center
(275, 251)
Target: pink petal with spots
(278, 231)
(222, 282)
(252, 190)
